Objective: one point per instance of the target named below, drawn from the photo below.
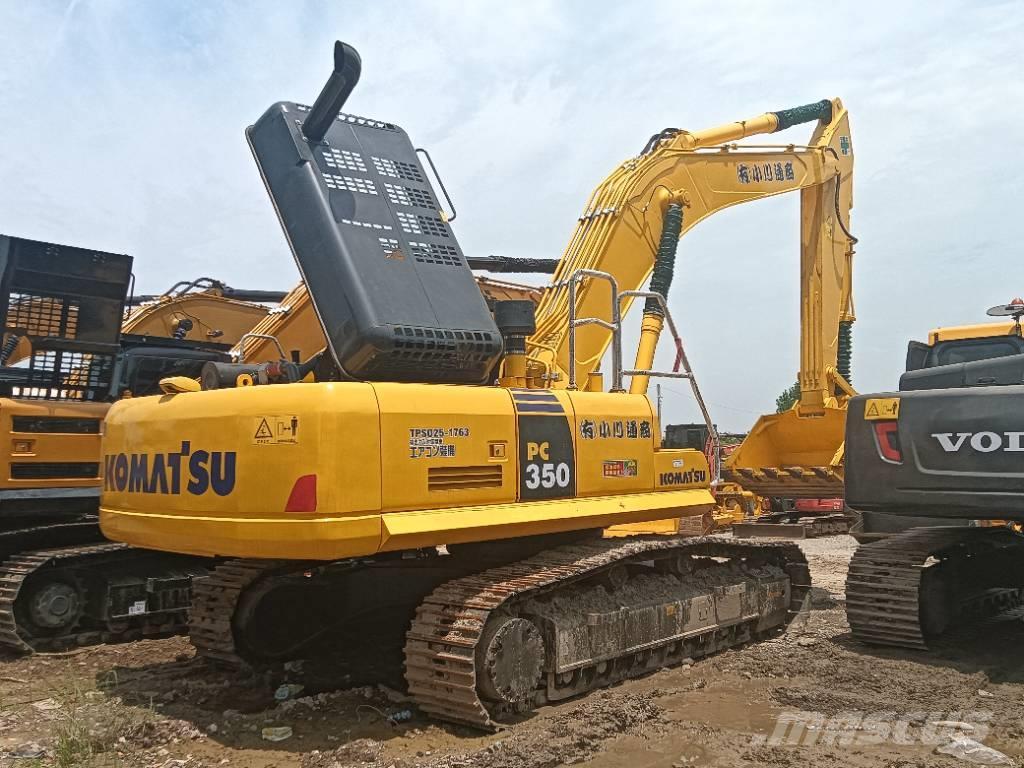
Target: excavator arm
(694, 175)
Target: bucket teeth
(794, 482)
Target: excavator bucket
(792, 456)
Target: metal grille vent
(367, 224)
(55, 425)
(391, 247)
(352, 184)
(62, 375)
(396, 169)
(43, 315)
(53, 470)
(445, 350)
(417, 224)
(344, 160)
(464, 478)
(432, 253)
(402, 195)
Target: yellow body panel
(977, 331)
(674, 468)
(612, 461)
(475, 424)
(59, 455)
(394, 466)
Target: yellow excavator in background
(205, 308)
(798, 454)
(435, 499)
(64, 359)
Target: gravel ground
(151, 703)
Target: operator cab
(988, 354)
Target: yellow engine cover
(326, 471)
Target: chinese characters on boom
(434, 442)
(631, 429)
(749, 173)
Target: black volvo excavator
(937, 471)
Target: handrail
(240, 347)
(615, 325)
(687, 373)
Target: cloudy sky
(123, 130)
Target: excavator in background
(733, 504)
(204, 308)
(436, 497)
(65, 358)
(934, 470)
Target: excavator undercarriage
(484, 644)
(910, 588)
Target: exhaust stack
(347, 66)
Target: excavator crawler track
(454, 628)
(18, 570)
(886, 590)
(214, 598)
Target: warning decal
(881, 408)
(275, 430)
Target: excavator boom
(700, 174)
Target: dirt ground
(150, 703)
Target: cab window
(968, 351)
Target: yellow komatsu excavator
(62, 585)
(436, 498)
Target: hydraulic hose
(665, 262)
(661, 281)
(844, 354)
